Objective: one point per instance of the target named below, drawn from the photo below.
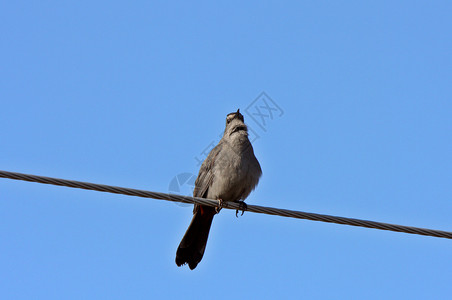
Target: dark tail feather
(191, 248)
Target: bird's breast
(235, 175)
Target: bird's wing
(205, 176)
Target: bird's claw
(242, 206)
(220, 206)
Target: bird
(229, 173)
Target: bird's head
(235, 124)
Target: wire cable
(224, 204)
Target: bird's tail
(191, 248)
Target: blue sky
(130, 94)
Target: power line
(228, 205)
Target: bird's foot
(220, 206)
(242, 207)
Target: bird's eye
(228, 121)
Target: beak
(238, 110)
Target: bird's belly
(230, 188)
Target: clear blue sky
(130, 94)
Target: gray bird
(229, 173)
